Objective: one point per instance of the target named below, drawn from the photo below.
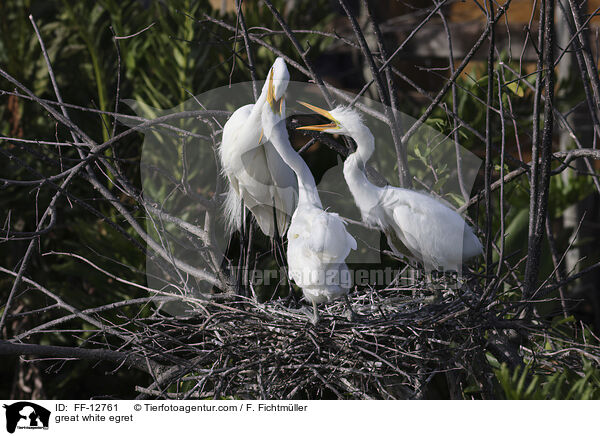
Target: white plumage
(432, 231)
(255, 171)
(318, 242)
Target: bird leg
(315, 318)
(291, 300)
(350, 314)
(437, 294)
(240, 282)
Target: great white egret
(432, 231)
(255, 171)
(318, 242)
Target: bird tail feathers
(232, 210)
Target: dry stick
(488, 145)
(578, 49)
(501, 10)
(592, 106)
(303, 53)
(51, 207)
(95, 153)
(49, 210)
(145, 123)
(129, 190)
(84, 204)
(457, 148)
(10, 349)
(467, 91)
(587, 53)
(178, 264)
(566, 125)
(25, 236)
(251, 66)
(536, 223)
(399, 49)
(496, 281)
(173, 396)
(533, 175)
(269, 32)
(25, 260)
(133, 35)
(557, 270)
(57, 321)
(574, 41)
(403, 173)
(117, 98)
(501, 200)
(247, 257)
(454, 115)
(383, 56)
(195, 230)
(54, 84)
(291, 62)
(248, 225)
(96, 149)
(572, 240)
(569, 156)
(176, 129)
(550, 288)
(64, 305)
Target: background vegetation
(527, 326)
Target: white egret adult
(318, 242)
(432, 231)
(256, 173)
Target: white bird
(430, 230)
(318, 242)
(255, 171)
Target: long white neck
(367, 196)
(307, 188)
(354, 167)
(365, 144)
(254, 119)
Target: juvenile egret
(431, 231)
(318, 242)
(256, 173)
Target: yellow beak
(271, 96)
(318, 127)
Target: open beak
(318, 127)
(271, 96)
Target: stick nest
(404, 344)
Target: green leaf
(516, 88)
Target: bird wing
(256, 173)
(430, 230)
(230, 139)
(284, 187)
(254, 184)
(327, 237)
(407, 226)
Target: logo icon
(26, 415)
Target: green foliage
(178, 56)
(181, 55)
(525, 384)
